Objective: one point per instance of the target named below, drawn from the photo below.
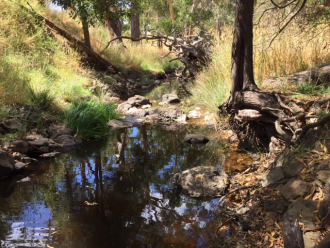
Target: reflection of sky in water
(33, 229)
(35, 223)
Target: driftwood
(192, 50)
(75, 42)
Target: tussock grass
(89, 118)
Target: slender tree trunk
(86, 30)
(218, 25)
(114, 26)
(170, 6)
(242, 50)
(135, 20)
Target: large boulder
(202, 181)
(7, 163)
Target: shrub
(90, 118)
(43, 99)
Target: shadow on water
(111, 193)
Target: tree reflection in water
(110, 193)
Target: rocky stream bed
(276, 199)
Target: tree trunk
(170, 6)
(242, 50)
(135, 20)
(114, 26)
(86, 32)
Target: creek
(115, 192)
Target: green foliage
(89, 118)
(312, 89)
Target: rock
(137, 101)
(28, 160)
(324, 176)
(7, 163)
(138, 112)
(325, 165)
(170, 98)
(162, 103)
(124, 107)
(44, 149)
(146, 106)
(194, 114)
(310, 239)
(19, 165)
(55, 132)
(303, 211)
(196, 139)
(12, 125)
(49, 155)
(114, 99)
(202, 181)
(292, 167)
(325, 243)
(32, 137)
(67, 140)
(275, 206)
(117, 124)
(39, 142)
(271, 176)
(295, 188)
(20, 146)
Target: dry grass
(144, 56)
(292, 52)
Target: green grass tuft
(89, 118)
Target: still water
(111, 193)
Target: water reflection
(114, 193)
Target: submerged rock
(202, 181)
(196, 139)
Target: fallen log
(76, 43)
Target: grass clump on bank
(90, 118)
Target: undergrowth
(90, 118)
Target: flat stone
(275, 206)
(324, 176)
(39, 142)
(310, 239)
(303, 211)
(271, 176)
(196, 139)
(170, 98)
(136, 111)
(202, 181)
(49, 155)
(19, 165)
(292, 167)
(67, 140)
(20, 146)
(295, 188)
(32, 137)
(28, 160)
(124, 107)
(7, 163)
(117, 124)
